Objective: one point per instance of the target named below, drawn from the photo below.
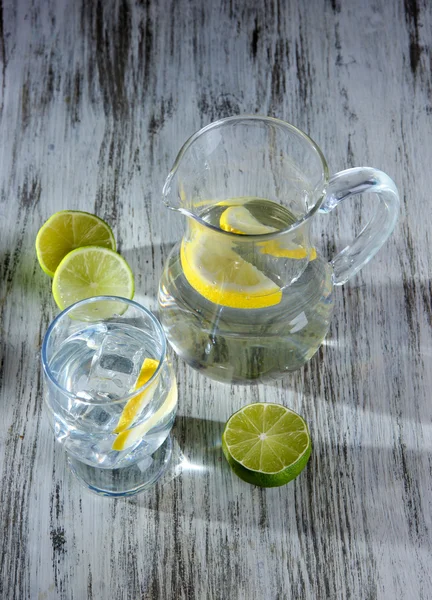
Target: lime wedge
(266, 444)
(66, 230)
(136, 404)
(91, 271)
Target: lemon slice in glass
(129, 437)
(135, 405)
(266, 444)
(66, 230)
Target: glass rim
(248, 117)
(49, 374)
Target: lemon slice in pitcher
(238, 219)
(219, 274)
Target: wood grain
(96, 98)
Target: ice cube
(98, 417)
(115, 366)
(85, 395)
(114, 362)
(144, 464)
(93, 336)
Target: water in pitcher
(235, 344)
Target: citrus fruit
(129, 437)
(266, 444)
(66, 230)
(91, 271)
(223, 277)
(135, 405)
(238, 219)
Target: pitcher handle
(362, 180)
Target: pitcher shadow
(147, 264)
(376, 352)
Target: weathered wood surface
(95, 100)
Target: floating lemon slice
(238, 219)
(136, 404)
(220, 275)
(128, 438)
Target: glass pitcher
(245, 296)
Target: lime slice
(238, 219)
(266, 444)
(66, 230)
(128, 438)
(91, 271)
(135, 405)
(220, 275)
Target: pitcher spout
(178, 190)
(170, 195)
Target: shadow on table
(197, 452)
(376, 352)
(374, 493)
(147, 264)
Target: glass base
(118, 483)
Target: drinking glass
(110, 393)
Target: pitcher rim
(248, 117)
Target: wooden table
(95, 100)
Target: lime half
(67, 230)
(266, 444)
(91, 271)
